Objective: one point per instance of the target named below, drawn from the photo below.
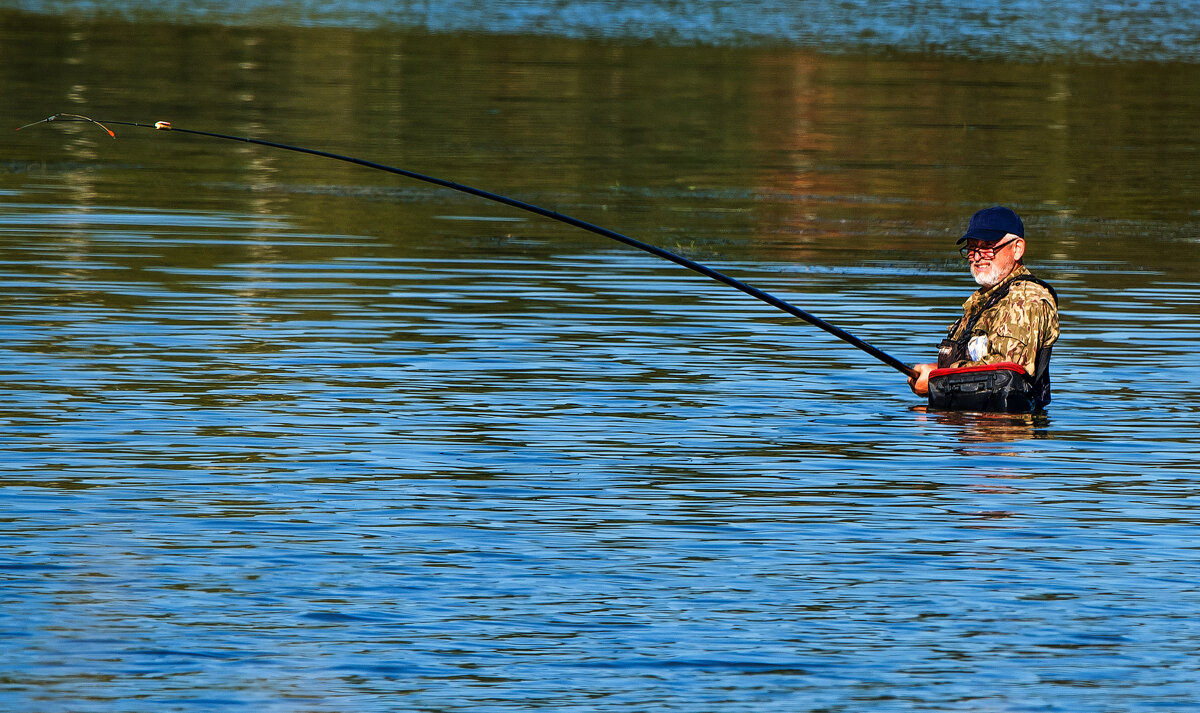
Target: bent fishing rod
(522, 205)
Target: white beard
(987, 276)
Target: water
(283, 434)
(1030, 29)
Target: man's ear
(1019, 249)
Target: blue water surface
(383, 484)
(1159, 30)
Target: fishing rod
(522, 205)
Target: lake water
(278, 433)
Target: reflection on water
(281, 434)
(993, 428)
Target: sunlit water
(279, 435)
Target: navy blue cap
(991, 224)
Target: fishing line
(70, 117)
(553, 215)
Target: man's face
(991, 262)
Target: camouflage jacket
(1016, 327)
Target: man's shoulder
(1029, 289)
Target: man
(1013, 317)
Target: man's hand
(920, 383)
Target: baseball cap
(991, 224)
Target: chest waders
(1003, 387)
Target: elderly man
(1013, 317)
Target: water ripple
(331, 475)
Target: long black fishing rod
(553, 215)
